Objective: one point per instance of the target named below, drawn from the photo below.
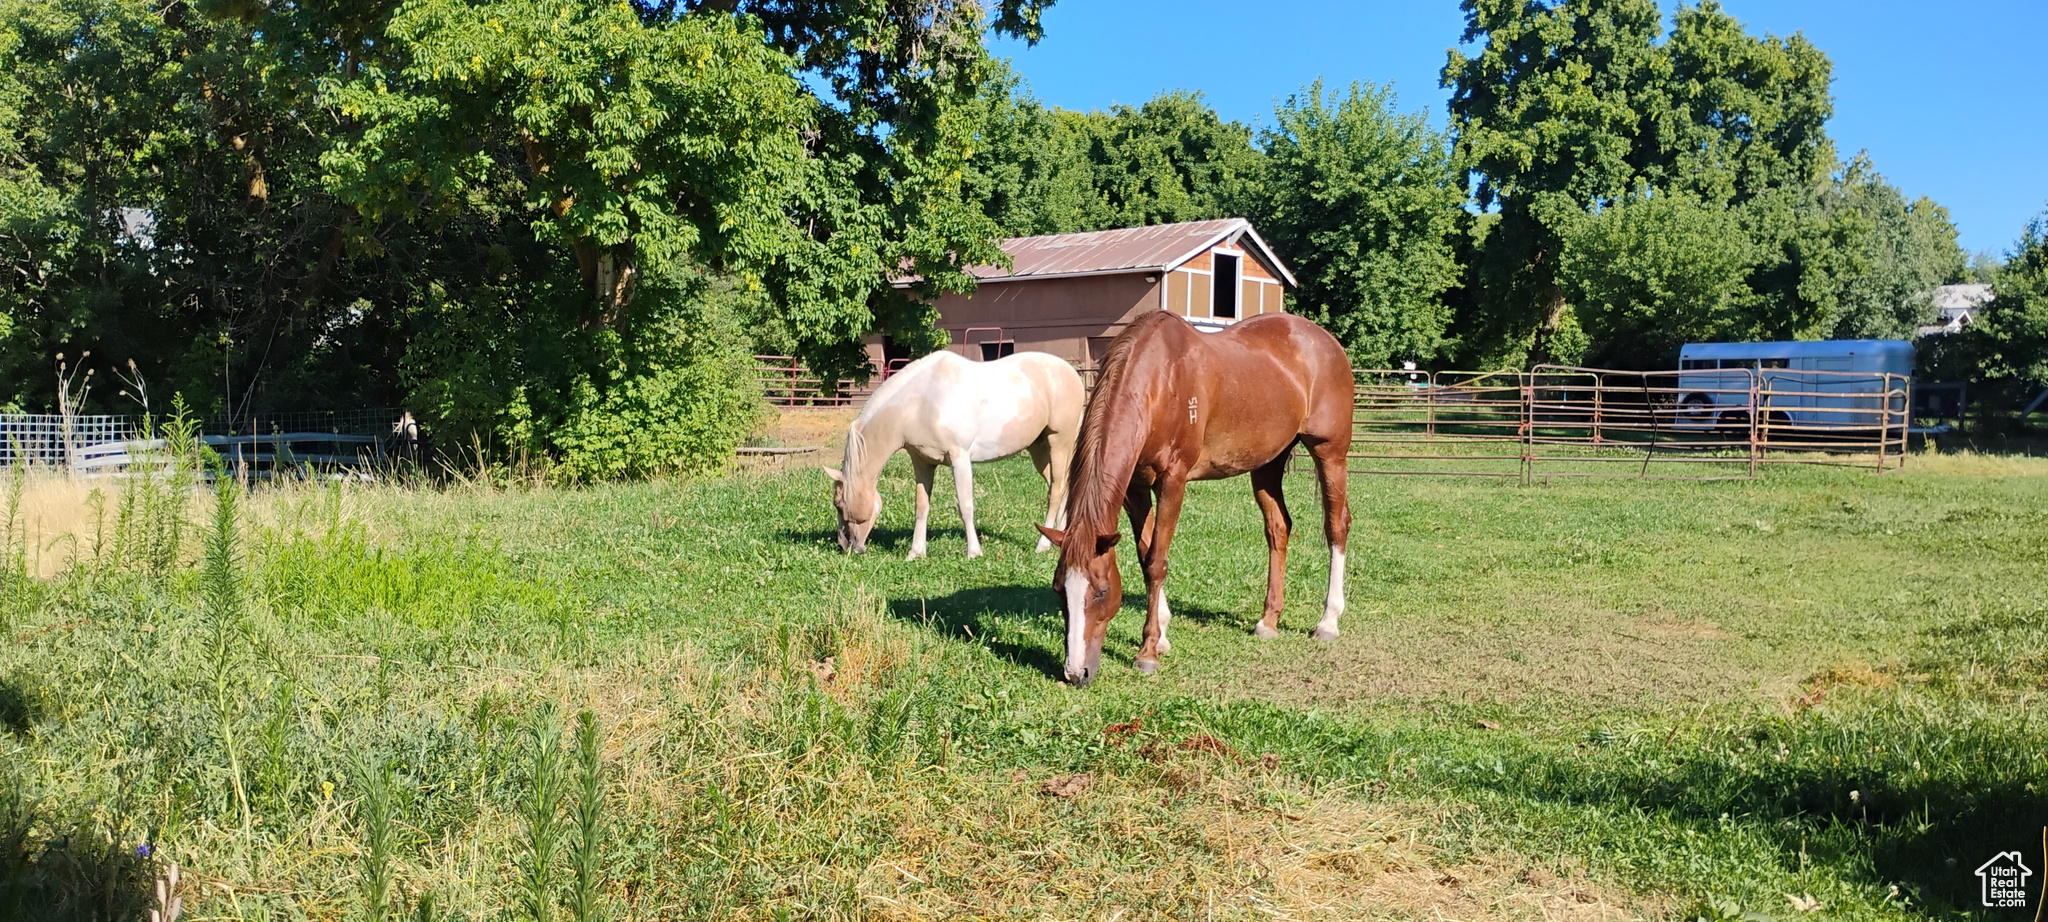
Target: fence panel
(1566, 421)
(92, 445)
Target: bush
(680, 419)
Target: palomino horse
(944, 409)
(1175, 404)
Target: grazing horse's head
(854, 495)
(1090, 590)
(858, 509)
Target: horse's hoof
(1148, 666)
(1262, 632)
(1325, 634)
(1043, 546)
(973, 553)
(915, 555)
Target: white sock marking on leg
(1333, 603)
(1165, 617)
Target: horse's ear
(1054, 535)
(834, 474)
(1104, 542)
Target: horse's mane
(1096, 495)
(856, 450)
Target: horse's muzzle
(1079, 678)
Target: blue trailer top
(1890, 355)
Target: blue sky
(1948, 98)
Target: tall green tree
(1547, 115)
(1171, 159)
(1029, 166)
(1647, 275)
(2004, 353)
(1572, 106)
(545, 222)
(1910, 249)
(1364, 202)
(1044, 171)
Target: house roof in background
(1953, 300)
(1155, 248)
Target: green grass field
(1819, 693)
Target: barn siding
(1058, 316)
(1076, 317)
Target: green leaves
(1610, 161)
(1365, 203)
(1646, 276)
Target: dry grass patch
(1967, 463)
(1198, 840)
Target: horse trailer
(1837, 384)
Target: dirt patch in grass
(790, 428)
(1568, 650)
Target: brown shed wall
(1074, 318)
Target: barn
(1070, 294)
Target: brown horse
(1175, 404)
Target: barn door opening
(990, 351)
(1223, 287)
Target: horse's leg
(1332, 470)
(1267, 483)
(1157, 614)
(924, 471)
(963, 487)
(1055, 474)
(1138, 505)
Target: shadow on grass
(1022, 624)
(63, 872)
(1833, 802)
(880, 540)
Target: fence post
(1755, 415)
(1528, 381)
(1429, 388)
(1599, 390)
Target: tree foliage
(556, 227)
(1052, 171)
(1571, 107)
(1645, 276)
(521, 217)
(2004, 353)
(1365, 203)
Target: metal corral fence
(1562, 421)
(90, 445)
(785, 382)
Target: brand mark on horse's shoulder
(1191, 409)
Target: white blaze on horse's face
(1090, 590)
(1077, 627)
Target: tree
(1910, 248)
(2004, 352)
(1052, 171)
(1547, 117)
(1030, 165)
(536, 221)
(1645, 276)
(1571, 106)
(1364, 201)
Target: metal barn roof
(1155, 248)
